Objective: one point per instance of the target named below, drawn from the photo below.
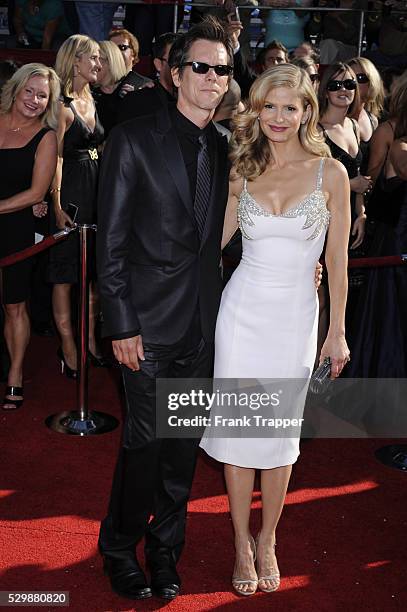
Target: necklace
(18, 129)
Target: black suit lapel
(168, 145)
(218, 179)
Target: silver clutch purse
(321, 378)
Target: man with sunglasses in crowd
(163, 193)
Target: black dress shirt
(188, 136)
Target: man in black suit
(149, 99)
(163, 193)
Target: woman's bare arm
(379, 148)
(43, 171)
(64, 121)
(336, 183)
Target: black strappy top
(352, 164)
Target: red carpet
(341, 540)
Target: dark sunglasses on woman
(335, 85)
(203, 68)
(314, 77)
(362, 77)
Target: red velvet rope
(36, 248)
(361, 262)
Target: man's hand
(318, 275)
(233, 29)
(128, 352)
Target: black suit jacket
(153, 269)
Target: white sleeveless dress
(268, 318)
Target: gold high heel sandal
(238, 582)
(273, 577)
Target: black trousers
(153, 476)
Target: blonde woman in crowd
(371, 102)
(79, 135)
(28, 157)
(110, 89)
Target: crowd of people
(317, 166)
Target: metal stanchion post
(175, 20)
(82, 422)
(361, 26)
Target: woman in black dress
(28, 155)
(338, 97)
(79, 134)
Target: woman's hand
(358, 230)
(62, 219)
(336, 349)
(361, 184)
(40, 209)
(127, 88)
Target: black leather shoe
(165, 582)
(127, 579)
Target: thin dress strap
(244, 184)
(320, 174)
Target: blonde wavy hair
(397, 96)
(69, 52)
(19, 80)
(111, 53)
(375, 95)
(250, 150)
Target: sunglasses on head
(203, 68)
(362, 77)
(124, 47)
(335, 85)
(314, 77)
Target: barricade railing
(363, 10)
(82, 421)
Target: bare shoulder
(49, 139)
(65, 114)
(334, 171)
(383, 132)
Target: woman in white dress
(284, 192)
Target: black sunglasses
(334, 85)
(362, 77)
(123, 47)
(314, 77)
(203, 68)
